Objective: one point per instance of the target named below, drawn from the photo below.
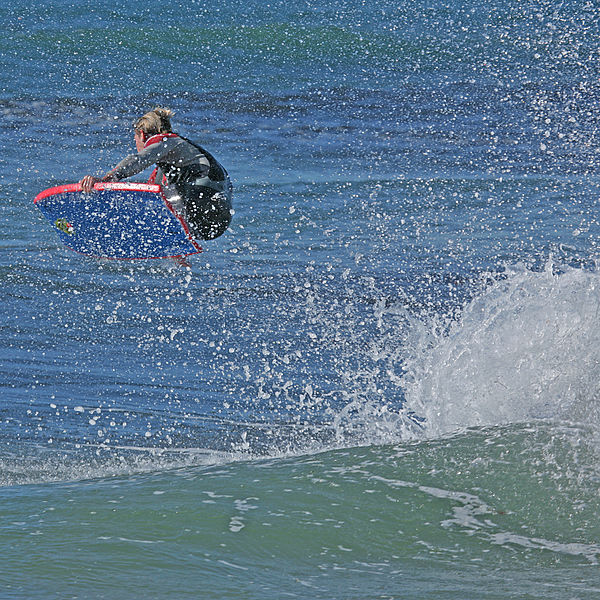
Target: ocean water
(383, 381)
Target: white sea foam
(526, 348)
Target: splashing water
(527, 348)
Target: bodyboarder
(194, 182)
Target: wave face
(387, 519)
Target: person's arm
(132, 164)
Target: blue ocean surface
(382, 381)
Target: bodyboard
(117, 221)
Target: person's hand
(87, 183)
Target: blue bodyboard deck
(117, 220)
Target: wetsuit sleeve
(136, 163)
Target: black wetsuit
(196, 184)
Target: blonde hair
(154, 122)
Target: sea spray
(527, 347)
